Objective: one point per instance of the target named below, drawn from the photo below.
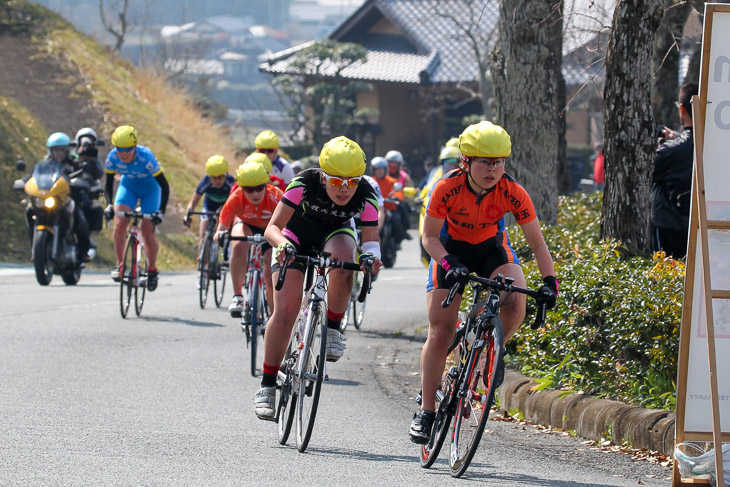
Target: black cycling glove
(456, 272)
(548, 292)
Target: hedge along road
(166, 399)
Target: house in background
(424, 73)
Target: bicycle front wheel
(140, 290)
(128, 274)
(219, 285)
(287, 397)
(477, 395)
(358, 312)
(204, 279)
(312, 363)
(251, 311)
(429, 452)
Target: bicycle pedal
(326, 377)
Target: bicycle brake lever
(539, 317)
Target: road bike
(256, 309)
(474, 370)
(212, 265)
(133, 272)
(304, 366)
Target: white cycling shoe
(264, 403)
(335, 345)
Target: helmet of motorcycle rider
(250, 174)
(379, 163)
(485, 139)
(342, 157)
(216, 166)
(85, 132)
(394, 156)
(261, 159)
(125, 136)
(267, 139)
(58, 139)
(449, 155)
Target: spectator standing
(671, 187)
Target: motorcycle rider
(87, 153)
(395, 165)
(389, 188)
(59, 150)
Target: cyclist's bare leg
(441, 328)
(511, 307)
(287, 302)
(267, 280)
(120, 230)
(239, 257)
(342, 247)
(150, 242)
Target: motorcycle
(50, 214)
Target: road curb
(589, 417)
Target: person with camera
(671, 186)
(86, 155)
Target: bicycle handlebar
(207, 213)
(501, 285)
(319, 261)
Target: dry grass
(196, 137)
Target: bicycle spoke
(312, 363)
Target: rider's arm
(430, 240)
(194, 200)
(534, 237)
(273, 233)
(162, 181)
(109, 188)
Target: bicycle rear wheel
(141, 288)
(128, 273)
(287, 397)
(477, 389)
(204, 280)
(429, 452)
(252, 313)
(312, 363)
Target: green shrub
(615, 330)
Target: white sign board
(716, 164)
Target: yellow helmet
(452, 142)
(259, 158)
(449, 152)
(484, 139)
(125, 136)
(216, 166)
(251, 174)
(267, 139)
(342, 157)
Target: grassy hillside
(78, 83)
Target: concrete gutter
(589, 417)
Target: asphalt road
(87, 398)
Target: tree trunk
(629, 129)
(526, 63)
(665, 63)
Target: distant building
(421, 68)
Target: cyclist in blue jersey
(214, 188)
(142, 180)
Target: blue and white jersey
(144, 165)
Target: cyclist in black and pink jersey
(214, 188)
(464, 230)
(316, 214)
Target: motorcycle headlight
(49, 202)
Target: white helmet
(394, 156)
(86, 131)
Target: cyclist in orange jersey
(464, 230)
(247, 212)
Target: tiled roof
(432, 49)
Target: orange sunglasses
(339, 182)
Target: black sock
(268, 380)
